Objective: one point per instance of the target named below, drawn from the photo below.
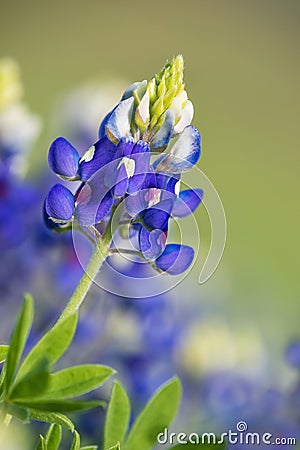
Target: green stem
(96, 261)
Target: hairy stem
(125, 251)
(98, 257)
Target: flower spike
(120, 170)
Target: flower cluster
(145, 143)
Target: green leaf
(52, 346)
(41, 444)
(18, 411)
(76, 441)
(18, 340)
(75, 381)
(51, 417)
(3, 352)
(33, 384)
(53, 437)
(155, 417)
(117, 416)
(60, 405)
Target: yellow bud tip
(179, 63)
(162, 89)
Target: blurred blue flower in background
(31, 260)
(293, 354)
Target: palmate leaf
(3, 352)
(52, 346)
(34, 393)
(18, 341)
(156, 416)
(33, 384)
(75, 381)
(117, 417)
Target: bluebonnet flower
(119, 168)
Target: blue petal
(141, 156)
(150, 179)
(116, 172)
(184, 154)
(187, 202)
(60, 204)
(118, 124)
(167, 181)
(172, 181)
(121, 182)
(162, 138)
(104, 207)
(136, 203)
(98, 156)
(141, 147)
(152, 243)
(54, 226)
(158, 215)
(175, 259)
(125, 146)
(63, 158)
(135, 183)
(93, 202)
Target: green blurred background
(242, 74)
